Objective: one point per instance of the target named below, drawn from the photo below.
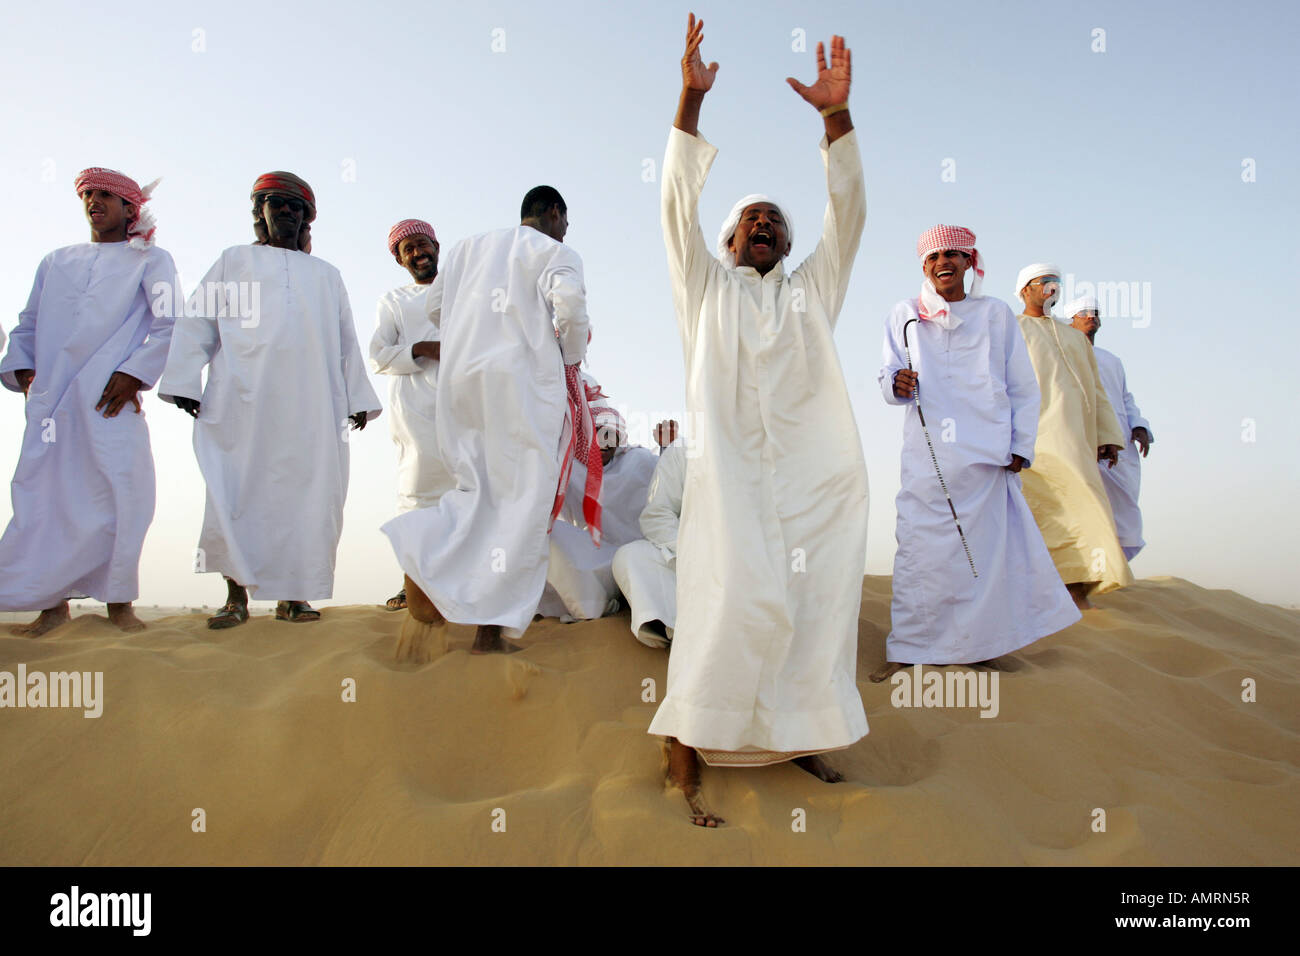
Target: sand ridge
(542, 757)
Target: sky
(1152, 146)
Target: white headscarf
(727, 256)
(1084, 303)
(1029, 273)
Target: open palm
(832, 85)
(695, 75)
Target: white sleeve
(567, 294)
(893, 356)
(390, 353)
(662, 513)
(22, 342)
(196, 339)
(831, 263)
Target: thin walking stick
(916, 398)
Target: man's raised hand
(696, 77)
(832, 85)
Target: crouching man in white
(579, 579)
(646, 569)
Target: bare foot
(819, 768)
(888, 670)
(123, 616)
(45, 622)
(683, 772)
(1079, 591)
(488, 640)
(418, 604)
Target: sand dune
(1136, 710)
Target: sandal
(296, 611)
(397, 602)
(230, 615)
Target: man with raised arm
(774, 513)
(646, 569)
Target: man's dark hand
(1016, 463)
(358, 421)
(1108, 453)
(1143, 438)
(188, 405)
(665, 433)
(121, 388)
(904, 383)
(430, 350)
(24, 377)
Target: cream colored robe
(1063, 487)
(772, 543)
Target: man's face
(1087, 322)
(607, 439)
(283, 216)
(106, 212)
(762, 238)
(947, 270)
(1042, 292)
(418, 255)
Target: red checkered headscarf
(960, 239)
(409, 227)
(141, 227)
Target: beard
(426, 272)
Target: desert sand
(542, 757)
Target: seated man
(646, 569)
(579, 579)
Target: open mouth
(761, 239)
(944, 274)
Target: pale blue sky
(1123, 165)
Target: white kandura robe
(580, 577)
(1124, 481)
(646, 569)
(273, 435)
(980, 399)
(772, 544)
(407, 315)
(481, 552)
(1063, 488)
(83, 491)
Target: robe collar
(777, 270)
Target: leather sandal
(397, 602)
(298, 612)
(230, 615)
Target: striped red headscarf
(140, 229)
(408, 227)
(939, 239)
